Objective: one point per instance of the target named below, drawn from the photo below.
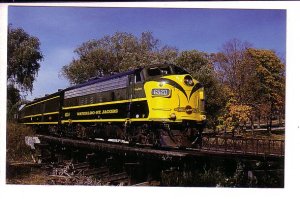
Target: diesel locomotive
(159, 105)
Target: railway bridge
(222, 147)
(259, 162)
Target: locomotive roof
(102, 79)
(105, 78)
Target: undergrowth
(16, 149)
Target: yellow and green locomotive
(159, 105)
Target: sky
(62, 29)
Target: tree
(24, 54)
(13, 101)
(234, 71)
(199, 65)
(239, 77)
(270, 73)
(236, 115)
(23, 59)
(116, 53)
(254, 77)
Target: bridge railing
(244, 145)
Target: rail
(250, 146)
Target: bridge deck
(224, 149)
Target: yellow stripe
(95, 120)
(161, 109)
(164, 120)
(42, 101)
(105, 120)
(139, 119)
(33, 115)
(50, 113)
(104, 103)
(41, 123)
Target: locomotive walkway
(232, 148)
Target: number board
(160, 92)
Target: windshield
(165, 70)
(178, 70)
(154, 71)
(159, 71)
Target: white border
(3, 72)
(217, 4)
(292, 120)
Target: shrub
(16, 149)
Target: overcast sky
(61, 30)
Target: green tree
(23, 59)
(200, 66)
(13, 101)
(270, 73)
(116, 53)
(24, 54)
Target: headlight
(188, 80)
(173, 116)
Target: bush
(16, 149)
(207, 178)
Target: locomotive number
(160, 92)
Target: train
(160, 105)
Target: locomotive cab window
(165, 70)
(153, 71)
(158, 71)
(138, 77)
(179, 71)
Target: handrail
(253, 146)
